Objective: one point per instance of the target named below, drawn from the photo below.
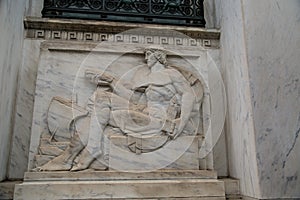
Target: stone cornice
(88, 30)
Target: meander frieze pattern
(121, 38)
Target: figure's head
(154, 54)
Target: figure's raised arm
(104, 78)
(99, 77)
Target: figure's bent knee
(103, 115)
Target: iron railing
(176, 12)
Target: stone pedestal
(166, 184)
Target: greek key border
(119, 38)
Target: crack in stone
(293, 145)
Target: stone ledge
(124, 189)
(115, 175)
(113, 27)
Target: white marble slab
(11, 42)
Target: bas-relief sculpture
(155, 102)
(117, 114)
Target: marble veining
(260, 59)
(273, 54)
(11, 42)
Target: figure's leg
(64, 161)
(99, 120)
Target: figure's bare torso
(159, 92)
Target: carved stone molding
(98, 31)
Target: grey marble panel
(263, 121)
(11, 41)
(273, 55)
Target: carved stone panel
(130, 107)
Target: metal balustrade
(175, 12)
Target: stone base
(192, 184)
(232, 188)
(7, 189)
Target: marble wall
(273, 46)
(239, 123)
(22, 116)
(219, 151)
(11, 42)
(34, 8)
(260, 50)
(212, 13)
